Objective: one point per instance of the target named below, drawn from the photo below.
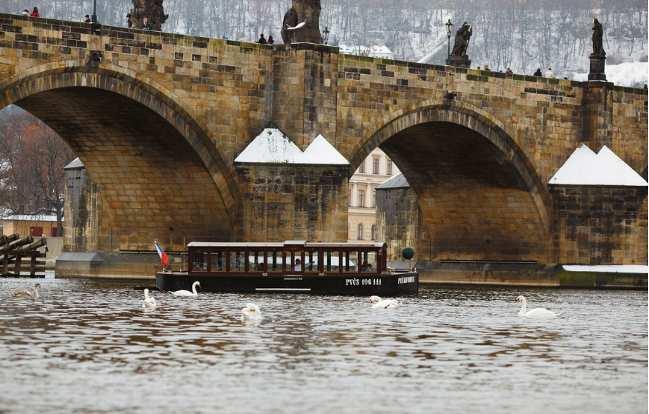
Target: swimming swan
(149, 301)
(186, 293)
(537, 313)
(378, 303)
(250, 313)
(27, 293)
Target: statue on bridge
(302, 22)
(147, 14)
(458, 56)
(598, 57)
(598, 33)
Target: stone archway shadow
(51, 77)
(475, 120)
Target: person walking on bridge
(262, 40)
(35, 12)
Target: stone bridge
(159, 118)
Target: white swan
(250, 313)
(537, 313)
(186, 293)
(378, 303)
(27, 293)
(149, 301)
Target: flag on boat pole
(164, 257)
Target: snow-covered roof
(30, 217)
(320, 151)
(398, 181)
(74, 164)
(607, 268)
(272, 146)
(584, 167)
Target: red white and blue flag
(164, 257)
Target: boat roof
(286, 243)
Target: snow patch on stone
(584, 167)
(607, 268)
(272, 146)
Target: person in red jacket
(35, 12)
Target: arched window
(374, 235)
(360, 231)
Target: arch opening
(475, 197)
(152, 182)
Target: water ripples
(89, 346)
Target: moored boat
(347, 268)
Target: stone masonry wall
(294, 202)
(81, 212)
(601, 225)
(398, 221)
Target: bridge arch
(158, 172)
(479, 196)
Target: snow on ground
(584, 167)
(607, 268)
(376, 51)
(625, 74)
(272, 146)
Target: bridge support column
(294, 202)
(597, 115)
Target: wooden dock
(20, 257)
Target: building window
(373, 199)
(374, 235)
(360, 231)
(361, 168)
(388, 166)
(361, 198)
(375, 165)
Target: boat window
(368, 263)
(256, 260)
(199, 262)
(311, 261)
(217, 262)
(237, 262)
(333, 261)
(298, 266)
(351, 261)
(286, 261)
(275, 261)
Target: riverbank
(144, 265)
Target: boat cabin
(293, 257)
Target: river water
(89, 347)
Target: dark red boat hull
(393, 284)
